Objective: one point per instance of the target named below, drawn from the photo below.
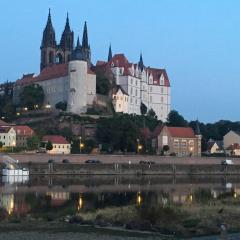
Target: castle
(68, 75)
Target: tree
(176, 120)
(102, 85)
(31, 96)
(61, 106)
(33, 143)
(151, 113)
(49, 146)
(1, 145)
(143, 108)
(166, 148)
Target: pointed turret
(66, 42)
(48, 39)
(85, 37)
(140, 63)
(110, 53)
(78, 43)
(197, 128)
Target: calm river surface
(174, 206)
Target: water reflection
(72, 194)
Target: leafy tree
(176, 120)
(1, 145)
(89, 145)
(49, 146)
(102, 85)
(61, 106)
(33, 143)
(166, 148)
(151, 113)
(143, 108)
(32, 95)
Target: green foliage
(89, 145)
(33, 143)
(49, 146)
(203, 195)
(151, 113)
(176, 120)
(165, 148)
(1, 145)
(143, 108)
(61, 106)
(32, 95)
(102, 85)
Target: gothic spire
(48, 39)
(109, 53)
(140, 63)
(85, 36)
(197, 128)
(67, 25)
(78, 43)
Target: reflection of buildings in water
(58, 198)
(139, 198)
(7, 202)
(80, 202)
(15, 179)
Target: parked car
(65, 161)
(227, 162)
(41, 150)
(93, 161)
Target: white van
(227, 162)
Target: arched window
(59, 58)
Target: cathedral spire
(140, 63)
(85, 36)
(109, 53)
(49, 21)
(67, 25)
(78, 43)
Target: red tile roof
(157, 73)
(181, 132)
(119, 87)
(234, 146)
(146, 133)
(55, 139)
(51, 72)
(23, 130)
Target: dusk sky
(197, 41)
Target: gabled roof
(2, 123)
(156, 73)
(181, 132)
(5, 129)
(234, 146)
(23, 130)
(55, 139)
(117, 88)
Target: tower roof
(197, 128)
(140, 63)
(109, 53)
(85, 37)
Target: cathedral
(68, 75)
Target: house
(59, 143)
(230, 138)
(7, 136)
(120, 99)
(181, 141)
(233, 149)
(22, 134)
(214, 146)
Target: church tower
(86, 50)
(110, 53)
(48, 45)
(66, 44)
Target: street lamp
(80, 143)
(13, 145)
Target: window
(161, 99)
(136, 92)
(162, 90)
(119, 105)
(151, 89)
(135, 101)
(136, 82)
(131, 91)
(131, 81)
(150, 98)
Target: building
(233, 149)
(120, 99)
(214, 146)
(8, 136)
(22, 134)
(182, 141)
(59, 143)
(230, 138)
(150, 86)
(65, 71)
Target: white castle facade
(67, 75)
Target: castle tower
(48, 45)
(86, 50)
(66, 44)
(78, 81)
(109, 53)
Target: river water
(173, 206)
